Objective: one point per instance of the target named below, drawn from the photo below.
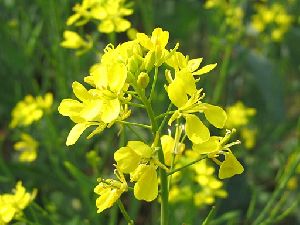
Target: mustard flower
(12, 204)
(27, 147)
(156, 46)
(184, 95)
(111, 16)
(110, 191)
(93, 110)
(138, 159)
(238, 115)
(206, 189)
(109, 13)
(30, 109)
(73, 40)
(216, 146)
(273, 18)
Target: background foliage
(252, 68)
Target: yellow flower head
(27, 147)
(272, 20)
(238, 115)
(30, 109)
(216, 146)
(110, 191)
(138, 159)
(109, 13)
(12, 204)
(72, 40)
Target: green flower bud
(143, 80)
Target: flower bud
(143, 80)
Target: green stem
(124, 212)
(136, 105)
(162, 172)
(209, 216)
(165, 114)
(112, 38)
(153, 84)
(135, 124)
(223, 73)
(187, 165)
(162, 124)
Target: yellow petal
(75, 132)
(117, 77)
(205, 69)
(127, 160)
(110, 110)
(212, 145)
(193, 64)
(215, 115)
(91, 110)
(107, 198)
(167, 144)
(80, 92)
(230, 167)
(146, 188)
(177, 93)
(106, 26)
(187, 80)
(70, 107)
(196, 131)
(140, 148)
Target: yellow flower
(30, 109)
(109, 13)
(27, 147)
(273, 19)
(110, 191)
(180, 62)
(184, 95)
(12, 204)
(238, 115)
(249, 137)
(72, 40)
(138, 159)
(216, 146)
(111, 17)
(156, 45)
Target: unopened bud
(143, 80)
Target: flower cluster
(239, 117)
(203, 189)
(108, 14)
(122, 78)
(27, 147)
(272, 20)
(30, 109)
(232, 12)
(12, 204)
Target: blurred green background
(252, 68)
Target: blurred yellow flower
(27, 147)
(72, 40)
(271, 20)
(30, 109)
(12, 204)
(109, 13)
(238, 115)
